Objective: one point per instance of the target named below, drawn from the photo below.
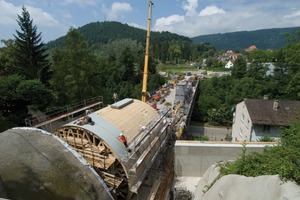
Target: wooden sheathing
(100, 156)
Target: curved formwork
(122, 168)
(36, 164)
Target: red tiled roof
(251, 48)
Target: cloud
(41, 17)
(211, 10)
(190, 7)
(230, 17)
(9, 12)
(67, 15)
(117, 10)
(136, 25)
(168, 21)
(81, 2)
(191, 23)
(293, 15)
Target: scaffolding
(52, 119)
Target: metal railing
(62, 112)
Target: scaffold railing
(71, 110)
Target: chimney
(275, 105)
(266, 97)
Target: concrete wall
(194, 158)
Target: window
(243, 118)
(241, 132)
(266, 128)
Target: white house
(255, 118)
(229, 64)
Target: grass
(175, 68)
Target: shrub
(282, 159)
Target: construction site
(141, 168)
(87, 151)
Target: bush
(203, 138)
(266, 139)
(282, 159)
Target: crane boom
(145, 77)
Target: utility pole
(145, 77)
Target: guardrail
(62, 112)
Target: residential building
(229, 64)
(251, 48)
(255, 118)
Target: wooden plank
(111, 180)
(99, 162)
(154, 189)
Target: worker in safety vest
(123, 139)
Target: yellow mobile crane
(145, 77)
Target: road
(214, 133)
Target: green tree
(126, 65)
(219, 116)
(291, 57)
(7, 58)
(9, 102)
(34, 93)
(282, 159)
(174, 53)
(261, 56)
(73, 70)
(239, 69)
(285, 80)
(257, 70)
(30, 51)
(17, 95)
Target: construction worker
(88, 111)
(115, 97)
(123, 139)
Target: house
(270, 70)
(224, 57)
(229, 55)
(229, 64)
(234, 56)
(255, 118)
(251, 48)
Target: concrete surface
(194, 158)
(236, 187)
(37, 165)
(187, 183)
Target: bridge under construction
(143, 169)
(121, 151)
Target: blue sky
(185, 17)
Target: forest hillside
(262, 39)
(97, 33)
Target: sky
(190, 18)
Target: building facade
(256, 118)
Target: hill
(97, 33)
(262, 39)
